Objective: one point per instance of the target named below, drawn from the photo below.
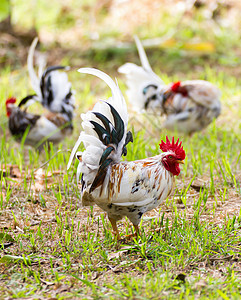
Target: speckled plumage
(133, 188)
(121, 188)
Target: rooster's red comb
(175, 86)
(172, 146)
(10, 100)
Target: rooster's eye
(170, 157)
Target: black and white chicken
(53, 91)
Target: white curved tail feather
(117, 100)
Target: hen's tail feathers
(104, 134)
(33, 77)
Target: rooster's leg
(137, 230)
(115, 229)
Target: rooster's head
(173, 155)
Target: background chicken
(144, 86)
(52, 127)
(53, 91)
(52, 88)
(121, 188)
(189, 105)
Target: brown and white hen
(51, 127)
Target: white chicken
(189, 106)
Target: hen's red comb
(175, 147)
(10, 100)
(175, 86)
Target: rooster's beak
(180, 161)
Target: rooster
(52, 127)
(121, 188)
(52, 88)
(189, 106)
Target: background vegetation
(190, 248)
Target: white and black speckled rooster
(51, 127)
(52, 88)
(121, 188)
(189, 106)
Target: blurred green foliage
(4, 9)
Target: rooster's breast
(140, 183)
(135, 188)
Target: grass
(189, 248)
(60, 249)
